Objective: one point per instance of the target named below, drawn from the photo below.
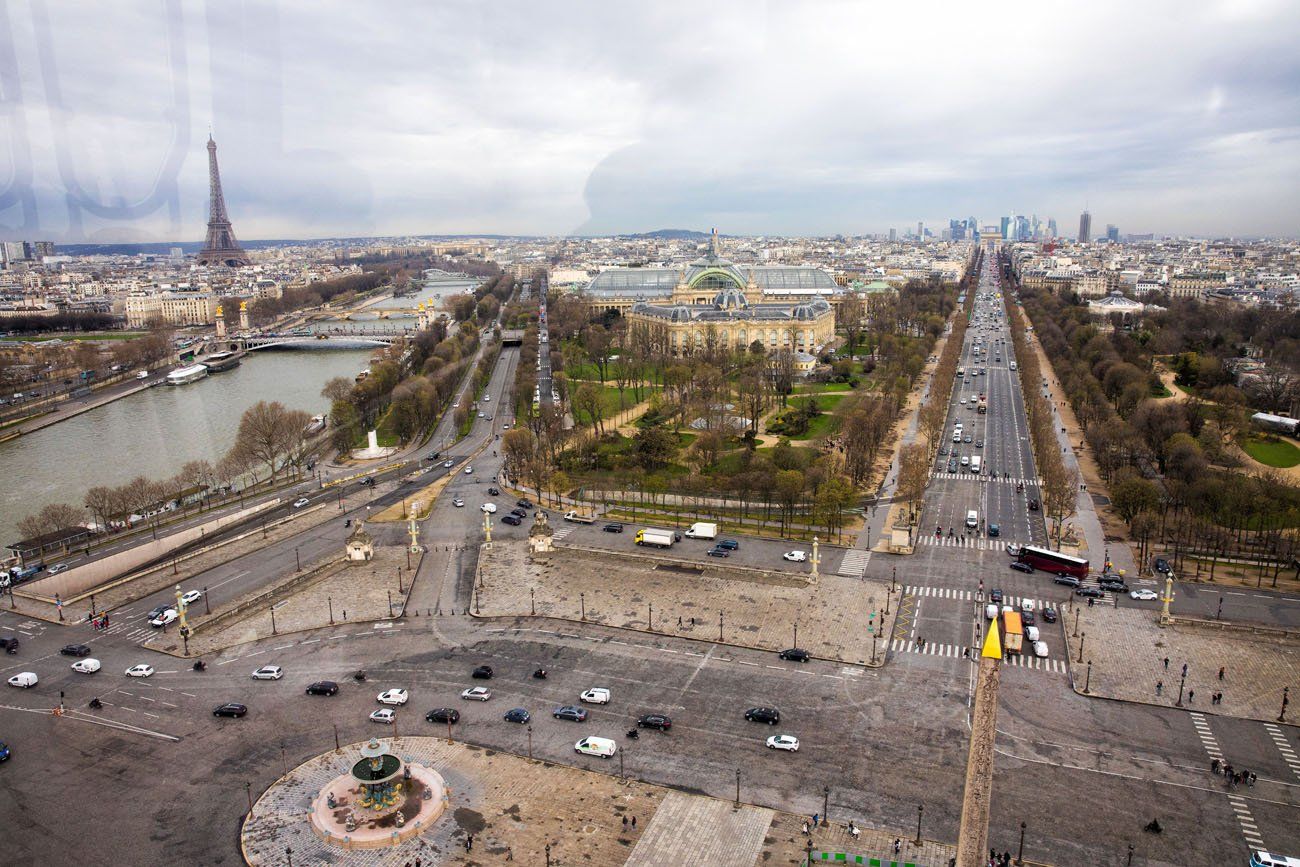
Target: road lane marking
(190, 694)
(282, 647)
(228, 661)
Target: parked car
(655, 721)
(728, 544)
(795, 556)
(613, 527)
(230, 708)
(516, 715)
(518, 512)
(716, 551)
(483, 672)
(794, 654)
(769, 715)
(1144, 595)
(268, 672)
(571, 713)
(789, 743)
(512, 520)
(524, 503)
(75, 650)
(323, 687)
(476, 693)
(443, 715)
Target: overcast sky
(790, 117)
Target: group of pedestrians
(100, 621)
(996, 860)
(1233, 777)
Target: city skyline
(631, 120)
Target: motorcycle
(633, 734)
(200, 665)
(540, 674)
(359, 676)
(347, 523)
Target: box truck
(702, 530)
(655, 538)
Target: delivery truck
(579, 518)
(702, 530)
(1012, 632)
(653, 538)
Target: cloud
(339, 118)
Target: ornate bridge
(346, 338)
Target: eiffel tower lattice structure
(220, 247)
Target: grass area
(822, 387)
(821, 426)
(1273, 452)
(1160, 391)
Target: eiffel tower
(220, 248)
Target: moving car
(494, 491)
(443, 715)
(383, 715)
(300, 502)
(1113, 584)
(769, 715)
(1089, 592)
(458, 502)
(789, 743)
(24, 680)
(476, 693)
(469, 470)
(603, 747)
(163, 619)
(433, 456)
(1033, 505)
(1067, 580)
(717, 551)
(86, 666)
(516, 715)
(1021, 567)
(794, 654)
(489, 508)
(189, 597)
(1040, 649)
(655, 721)
(994, 531)
(230, 708)
(1162, 566)
(512, 520)
(141, 670)
(1144, 595)
(449, 464)
(268, 672)
(483, 672)
(323, 687)
(596, 695)
(393, 696)
(795, 556)
(57, 568)
(157, 611)
(571, 713)
(75, 650)
(1049, 614)
(4, 751)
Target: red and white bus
(1053, 561)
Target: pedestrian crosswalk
(1249, 829)
(854, 563)
(136, 632)
(1280, 741)
(974, 543)
(1017, 602)
(940, 474)
(1054, 666)
(560, 532)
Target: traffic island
(833, 617)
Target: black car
(995, 595)
(323, 687)
(1033, 505)
(1114, 586)
(1162, 566)
(994, 531)
(718, 552)
(614, 527)
(1021, 567)
(571, 712)
(9, 645)
(769, 715)
(1049, 614)
(368, 482)
(1066, 580)
(433, 456)
(443, 715)
(156, 612)
(943, 450)
(524, 503)
(483, 672)
(1027, 618)
(75, 650)
(230, 708)
(952, 465)
(655, 721)
(519, 513)
(794, 654)
(494, 491)
(728, 544)
(517, 715)
(1089, 592)
(512, 520)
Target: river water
(154, 432)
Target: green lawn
(821, 426)
(1161, 391)
(821, 387)
(1273, 452)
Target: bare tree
(53, 518)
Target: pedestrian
(1160, 685)
(805, 829)
(1221, 672)
(510, 854)
(634, 823)
(1214, 766)
(692, 623)
(1184, 669)
(625, 823)
(679, 622)
(816, 816)
(898, 845)
(1253, 778)
(469, 843)
(1166, 663)
(1191, 694)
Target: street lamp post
(530, 743)
(207, 606)
(582, 600)
(273, 620)
(1020, 854)
(1219, 614)
(248, 789)
(1286, 699)
(796, 634)
(719, 624)
(650, 617)
(400, 588)
(1087, 682)
(1082, 639)
(330, 601)
(297, 561)
(826, 804)
(1076, 621)
(920, 809)
(1182, 680)
(532, 600)
(737, 788)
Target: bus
(1053, 561)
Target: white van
(1260, 858)
(24, 680)
(972, 519)
(89, 665)
(603, 747)
(965, 461)
(1013, 365)
(975, 465)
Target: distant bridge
(336, 339)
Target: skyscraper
(1085, 227)
(893, 235)
(1112, 233)
(220, 247)
(920, 230)
(1051, 227)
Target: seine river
(155, 431)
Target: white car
(477, 693)
(57, 568)
(141, 670)
(300, 502)
(490, 508)
(783, 742)
(1026, 605)
(383, 715)
(991, 611)
(795, 556)
(268, 672)
(393, 696)
(191, 596)
(480, 415)
(166, 617)
(1040, 648)
(469, 470)
(596, 695)
(1031, 634)
(89, 665)
(449, 464)
(458, 503)
(1143, 595)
